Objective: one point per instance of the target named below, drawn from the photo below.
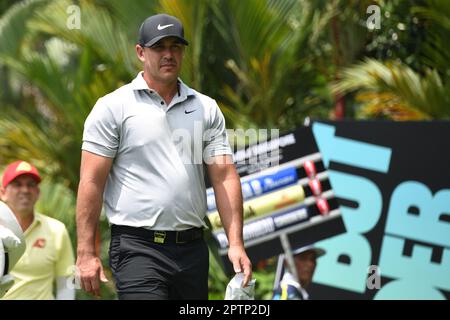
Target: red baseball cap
(19, 168)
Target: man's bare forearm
(89, 206)
(227, 187)
(229, 204)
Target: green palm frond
(14, 26)
(98, 31)
(436, 10)
(49, 147)
(436, 50)
(64, 76)
(427, 94)
(270, 44)
(386, 106)
(254, 27)
(130, 14)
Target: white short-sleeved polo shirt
(157, 177)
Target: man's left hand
(241, 262)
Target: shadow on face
(305, 264)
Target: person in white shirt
(12, 246)
(291, 288)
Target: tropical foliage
(415, 85)
(393, 90)
(268, 63)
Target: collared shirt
(48, 255)
(157, 177)
(290, 289)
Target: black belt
(161, 237)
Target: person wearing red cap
(48, 256)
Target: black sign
(392, 182)
(287, 193)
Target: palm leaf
(270, 42)
(436, 50)
(427, 94)
(14, 26)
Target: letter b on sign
(414, 213)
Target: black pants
(145, 270)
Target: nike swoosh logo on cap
(160, 27)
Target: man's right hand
(90, 273)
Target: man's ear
(140, 52)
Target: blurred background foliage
(268, 63)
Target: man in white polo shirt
(145, 149)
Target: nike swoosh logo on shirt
(160, 27)
(187, 112)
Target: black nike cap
(160, 26)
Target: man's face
(305, 263)
(21, 194)
(162, 61)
